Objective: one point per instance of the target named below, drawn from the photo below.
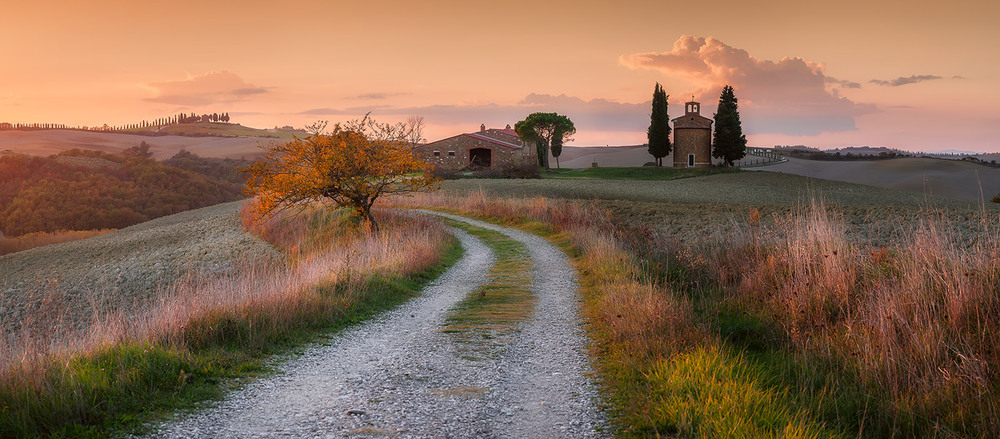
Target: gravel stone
(401, 376)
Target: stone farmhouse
(487, 148)
(692, 138)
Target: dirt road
(401, 376)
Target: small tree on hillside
(352, 166)
(729, 144)
(659, 126)
(540, 129)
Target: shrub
(445, 173)
(996, 199)
(510, 171)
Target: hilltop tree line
(87, 190)
(155, 123)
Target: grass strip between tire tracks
(121, 388)
(496, 308)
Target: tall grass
(129, 365)
(784, 327)
(918, 323)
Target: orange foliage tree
(352, 166)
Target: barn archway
(480, 157)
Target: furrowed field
(759, 304)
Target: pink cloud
(788, 96)
(210, 88)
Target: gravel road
(400, 376)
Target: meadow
(115, 359)
(736, 304)
(756, 304)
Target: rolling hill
(194, 138)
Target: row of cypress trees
(729, 143)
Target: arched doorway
(480, 157)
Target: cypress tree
(659, 126)
(729, 142)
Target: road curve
(400, 376)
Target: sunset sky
(917, 75)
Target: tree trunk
(372, 225)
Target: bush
(996, 199)
(445, 173)
(649, 164)
(510, 171)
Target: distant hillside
(87, 190)
(841, 154)
(49, 142)
(222, 129)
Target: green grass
(506, 299)
(120, 388)
(634, 173)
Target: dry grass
(839, 336)
(920, 321)
(51, 381)
(326, 252)
(32, 240)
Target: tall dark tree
(659, 126)
(545, 130)
(729, 144)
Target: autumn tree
(659, 126)
(544, 130)
(353, 166)
(730, 144)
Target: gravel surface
(400, 376)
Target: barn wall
(460, 145)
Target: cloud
(843, 83)
(788, 96)
(210, 88)
(913, 79)
(597, 114)
(588, 115)
(376, 96)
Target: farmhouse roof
(503, 137)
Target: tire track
(400, 376)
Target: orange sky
(916, 75)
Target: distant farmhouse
(487, 148)
(692, 138)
